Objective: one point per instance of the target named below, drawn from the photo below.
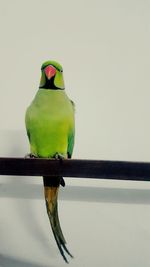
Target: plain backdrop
(104, 47)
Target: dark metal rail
(103, 169)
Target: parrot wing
(70, 144)
(71, 137)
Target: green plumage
(50, 124)
(50, 128)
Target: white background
(104, 49)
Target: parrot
(50, 127)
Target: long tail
(51, 194)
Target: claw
(30, 156)
(59, 156)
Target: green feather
(50, 129)
(50, 123)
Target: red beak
(50, 71)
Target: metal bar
(103, 169)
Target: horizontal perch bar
(105, 169)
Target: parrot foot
(59, 156)
(30, 156)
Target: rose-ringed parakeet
(50, 128)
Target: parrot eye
(61, 71)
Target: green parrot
(50, 128)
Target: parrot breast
(49, 122)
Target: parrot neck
(49, 84)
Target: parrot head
(52, 76)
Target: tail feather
(51, 194)
(61, 236)
(58, 242)
(57, 224)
